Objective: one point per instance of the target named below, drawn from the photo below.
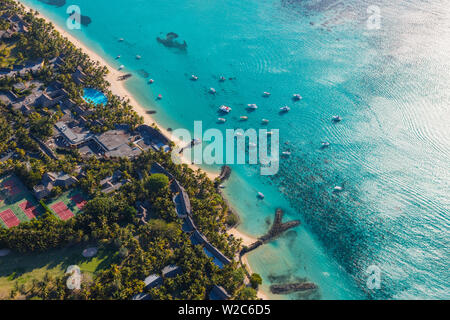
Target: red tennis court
(11, 186)
(9, 218)
(62, 211)
(29, 209)
(79, 200)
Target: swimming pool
(94, 96)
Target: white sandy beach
(118, 88)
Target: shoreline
(118, 88)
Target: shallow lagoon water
(391, 152)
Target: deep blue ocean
(390, 153)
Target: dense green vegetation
(110, 221)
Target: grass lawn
(26, 267)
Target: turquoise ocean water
(391, 152)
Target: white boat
(221, 120)
(138, 57)
(337, 118)
(265, 121)
(325, 144)
(194, 77)
(212, 90)
(222, 78)
(121, 39)
(297, 97)
(261, 195)
(286, 153)
(244, 118)
(285, 109)
(252, 106)
(266, 94)
(338, 189)
(160, 96)
(118, 57)
(269, 133)
(151, 81)
(225, 108)
(121, 67)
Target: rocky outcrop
(225, 173)
(170, 42)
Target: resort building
(51, 180)
(113, 183)
(184, 211)
(171, 271)
(78, 76)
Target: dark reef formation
(170, 42)
(56, 3)
(225, 173)
(292, 287)
(278, 227)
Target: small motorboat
(121, 67)
(118, 57)
(296, 97)
(269, 133)
(138, 57)
(252, 106)
(261, 195)
(222, 79)
(286, 153)
(244, 118)
(265, 121)
(221, 120)
(194, 78)
(225, 108)
(338, 189)
(266, 94)
(160, 96)
(212, 90)
(325, 145)
(285, 109)
(151, 81)
(221, 186)
(337, 119)
(121, 39)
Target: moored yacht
(225, 108)
(285, 109)
(337, 119)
